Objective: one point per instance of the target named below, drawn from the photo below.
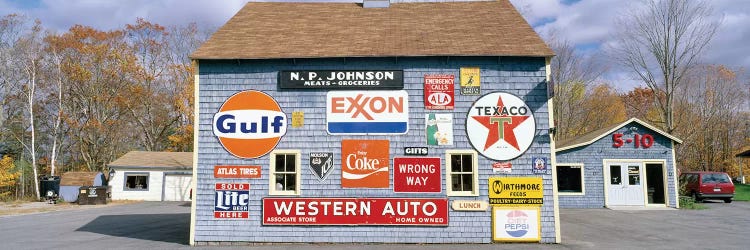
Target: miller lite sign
(231, 201)
(367, 112)
(365, 164)
(500, 126)
(249, 124)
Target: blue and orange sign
(249, 124)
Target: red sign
(237, 172)
(231, 201)
(644, 141)
(355, 211)
(365, 163)
(438, 91)
(416, 175)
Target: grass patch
(687, 202)
(741, 192)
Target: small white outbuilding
(152, 176)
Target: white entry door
(625, 184)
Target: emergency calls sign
(355, 211)
(231, 201)
(516, 191)
(365, 163)
(438, 91)
(416, 175)
(237, 172)
(367, 112)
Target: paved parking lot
(165, 225)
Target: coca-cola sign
(355, 211)
(365, 163)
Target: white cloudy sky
(586, 23)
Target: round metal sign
(500, 126)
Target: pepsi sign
(367, 112)
(520, 224)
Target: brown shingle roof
(314, 30)
(162, 160)
(78, 178)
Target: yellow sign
(470, 82)
(516, 191)
(298, 119)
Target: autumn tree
(602, 107)
(639, 103)
(572, 74)
(660, 41)
(8, 176)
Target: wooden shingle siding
(219, 79)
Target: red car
(707, 185)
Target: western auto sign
(516, 191)
(249, 124)
(231, 201)
(438, 91)
(520, 224)
(321, 164)
(237, 172)
(367, 112)
(341, 79)
(416, 175)
(365, 163)
(355, 211)
(500, 126)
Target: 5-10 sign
(639, 141)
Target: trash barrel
(49, 187)
(651, 195)
(92, 195)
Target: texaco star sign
(500, 126)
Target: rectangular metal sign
(516, 224)
(237, 172)
(438, 91)
(367, 112)
(365, 163)
(470, 81)
(516, 191)
(355, 211)
(416, 175)
(341, 79)
(415, 151)
(231, 201)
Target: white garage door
(177, 187)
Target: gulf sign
(365, 163)
(367, 112)
(519, 224)
(356, 211)
(249, 124)
(231, 201)
(439, 91)
(416, 175)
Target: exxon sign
(367, 112)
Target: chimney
(376, 3)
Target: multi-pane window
(136, 181)
(285, 172)
(570, 179)
(462, 179)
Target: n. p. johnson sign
(355, 211)
(341, 79)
